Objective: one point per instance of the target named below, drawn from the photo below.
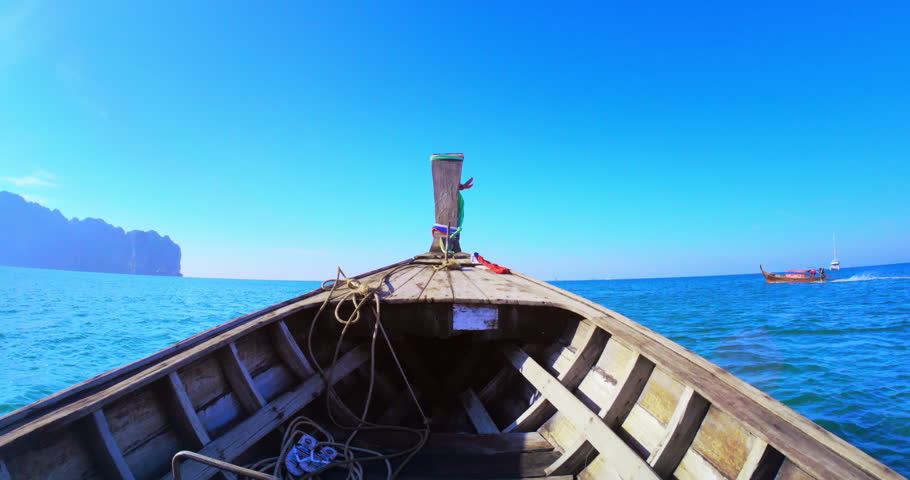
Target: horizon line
(558, 280)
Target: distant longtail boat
(795, 276)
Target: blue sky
(608, 140)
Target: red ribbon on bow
(492, 266)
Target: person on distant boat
(812, 272)
(821, 271)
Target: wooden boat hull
(550, 384)
(777, 278)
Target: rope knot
(450, 264)
(357, 287)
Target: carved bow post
(446, 185)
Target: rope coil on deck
(358, 294)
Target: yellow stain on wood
(723, 442)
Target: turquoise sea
(839, 353)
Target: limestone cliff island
(34, 236)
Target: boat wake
(865, 277)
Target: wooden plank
(791, 471)
(724, 442)
(619, 455)
(239, 378)
(478, 414)
(681, 430)
(446, 182)
(399, 278)
(107, 454)
(492, 390)
(592, 340)
(249, 431)
(409, 292)
(461, 443)
(612, 415)
(817, 451)
(543, 291)
(464, 289)
(642, 431)
(598, 469)
(763, 463)
(661, 396)
(289, 351)
(501, 289)
(438, 288)
(184, 414)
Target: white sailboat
(835, 264)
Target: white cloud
(40, 178)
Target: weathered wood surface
(495, 386)
(414, 286)
(591, 340)
(620, 456)
(488, 287)
(763, 463)
(522, 465)
(477, 413)
(790, 471)
(818, 452)
(612, 410)
(446, 181)
(107, 453)
(239, 378)
(438, 288)
(598, 469)
(185, 417)
(684, 424)
(474, 456)
(463, 443)
(464, 289)
(240, 438)
(289, 351)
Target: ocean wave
(865, 277)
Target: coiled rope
(358, 294)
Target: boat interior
(406, 382)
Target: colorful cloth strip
(444, 230)
(492, 266)
(458, 157)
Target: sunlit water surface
(839, 353)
